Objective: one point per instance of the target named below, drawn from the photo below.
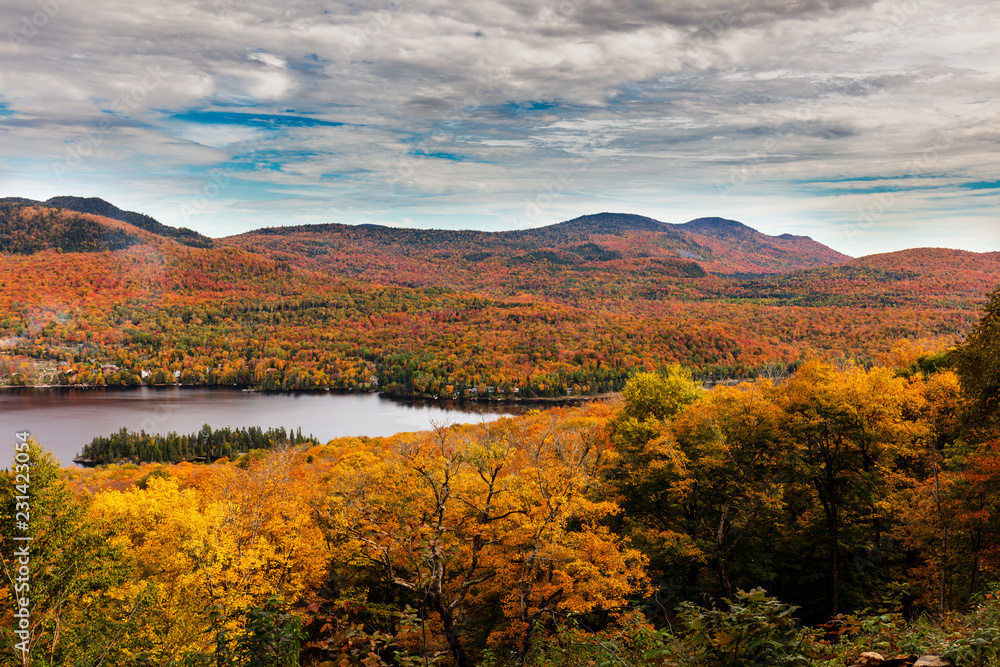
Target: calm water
(64, 420)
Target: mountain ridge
(714, 244)
(100, 207)
(29, 227)
(717, 245)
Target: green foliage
(250, 457)
(754, 630)
(85, 606)
(978, 364)
(272, 637)
(978, 640)
(269, 636)
(205, 445)
(658, 396)
(979, 649)
(159, 473)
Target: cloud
(382, 110)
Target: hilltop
(601, 241)
(100, 208)
(27, 227)
(917, 277)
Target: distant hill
(739, 249)
(599, 242)
(97, 206)
(568, 309)
(924, 277)
(706, 246)
(719, 228)
(934, 261)
(601, 223)
(27, 228)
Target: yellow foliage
(240, 537)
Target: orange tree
(487, 530)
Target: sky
(869, 126)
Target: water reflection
(65, 419)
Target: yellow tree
(734, 458)
(237, 539)
(264, 541)
(849, 430)
(544, 567)
(82, 603)
(161, 527)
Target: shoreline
(544, 400)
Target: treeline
(207, 445)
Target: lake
(64, 420)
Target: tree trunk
(835, 560)
(451, 634)
(724, 575)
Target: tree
(850, 432)
(736, 460)
(217, 550)
(467, 520)
(977, 362)
(85, 607)
(651, 472)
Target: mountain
(99, 207)
(720, 246)
(600, 242)
(738, 249)
(719, 228)
(601, 223)
(27, 228)
(705, 246)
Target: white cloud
(738, 105)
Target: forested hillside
(571, 309)
(99, 207)
(25, 230)
(843, 510)
(545, 258)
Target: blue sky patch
(982, 185)
(251, 119)
(873, 189)
(454, 157)
(528, 108)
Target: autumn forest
(781, 455)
